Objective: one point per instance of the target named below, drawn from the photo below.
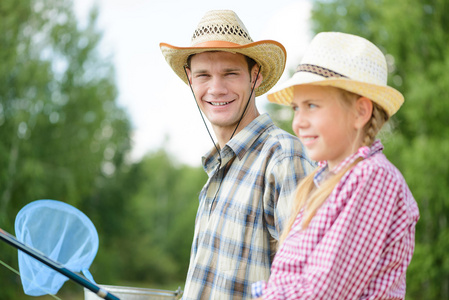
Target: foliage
(64, 137)
(61, 130)
(152, 223)
(413, 34)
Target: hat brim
(387, 97)
(270, 55)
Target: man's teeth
(219, 103)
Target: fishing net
(62, 233)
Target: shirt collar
(239, 144)
(363, 152)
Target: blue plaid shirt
(241, 210)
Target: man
(253, 169)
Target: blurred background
(92, 115)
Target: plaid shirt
(360, 242)
(241, 210)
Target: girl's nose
(299, 122)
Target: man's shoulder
(282, 138)
(271, 142)
(279, 146)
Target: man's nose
(217, 86)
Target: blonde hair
(308, 198)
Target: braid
(378, 119)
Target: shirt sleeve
(365, 241)
(257, 288)
(281, 182)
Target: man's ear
(254, 73)
(364, 111)
(189, 74)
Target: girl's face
(325, 123)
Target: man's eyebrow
(200, 71)
(232, 69)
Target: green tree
(61, 130)
(414, 36)
(149, 217)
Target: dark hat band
(221, 29)
(318, 71)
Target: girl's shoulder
(375, 172)
(376, 177)
(377, 163)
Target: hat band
(318, 71)
(221, 29)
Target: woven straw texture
(222, 30)
(344, 61)
(221, 25)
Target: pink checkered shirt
(360, 242)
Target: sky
(160, 105)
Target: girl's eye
(311, 105)
(295, 108)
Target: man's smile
(219, 103)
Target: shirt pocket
(235, 239)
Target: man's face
(222, 85)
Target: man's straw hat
(222, 30)
(344, 61)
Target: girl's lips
(307, 140)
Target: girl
(352, 231)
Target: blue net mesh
(61, 232)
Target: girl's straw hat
(344, 61)
(222, 30)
